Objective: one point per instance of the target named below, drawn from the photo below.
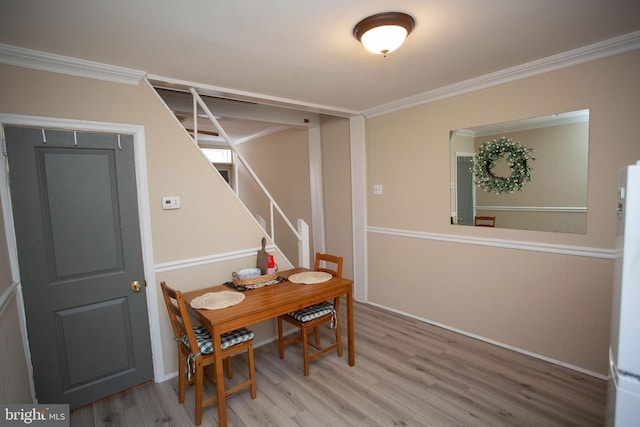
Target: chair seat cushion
(228, 339)
(313, 312)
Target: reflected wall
(555, 199)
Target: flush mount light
(384, 32)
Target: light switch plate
(377, 189)
(171, 202)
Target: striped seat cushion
(228, 339)
(313, 312)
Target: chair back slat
(179, 316)
(323, 259)
(484, 221)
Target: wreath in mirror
(519, 161)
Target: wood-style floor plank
(407, 373)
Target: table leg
(350, 329)
(217, 351)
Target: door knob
(135, 285)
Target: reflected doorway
(464, 186)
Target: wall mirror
(555, 199)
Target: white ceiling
(304, 51)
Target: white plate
(248, 272)
(216, 300)
(310, 277)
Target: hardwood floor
(407, 373)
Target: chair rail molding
(603, 49)
(575, 209)
(583, 251)
(208, 259)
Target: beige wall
(210, 221)
(14, 373)
(559, 171)
(559, 179)
(281, 160)
(5, 268)
(557, 306)
(174, 164)
(336, 188)
(549, 304)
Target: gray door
(464, 190)
(76, 222)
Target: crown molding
(581, 55)
(28, 58)
(43, 61)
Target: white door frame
(315, 181)
(144, 215)
(357, 138)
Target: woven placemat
(310, 277)
(217, 300)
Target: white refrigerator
(623, 400)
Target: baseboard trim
(494, 342)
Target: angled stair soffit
(241, 120)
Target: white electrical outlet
(377, 189)
(171, 202)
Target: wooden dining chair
(195, 351)
(484, 221)
(310, 318)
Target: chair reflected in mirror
(484, 221)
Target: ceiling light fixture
(384, 32)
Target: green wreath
(519, 162)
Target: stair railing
(302, 233)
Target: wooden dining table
(266, 303)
